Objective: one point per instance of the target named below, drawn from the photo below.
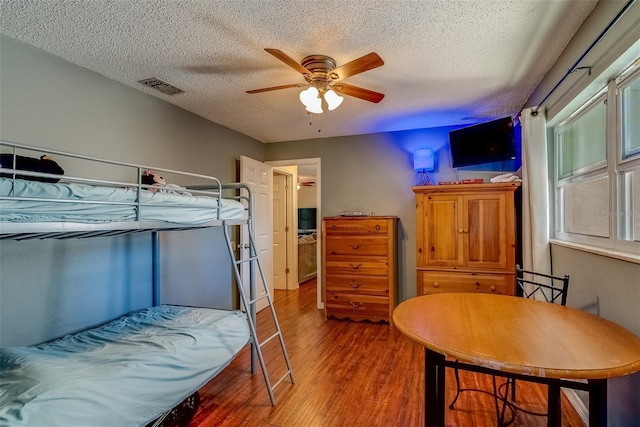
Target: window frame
(615, 167)
(623, 81)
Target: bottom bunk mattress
(124, 373)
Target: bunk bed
(136, 369)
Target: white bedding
(159, 206)
(124, 373)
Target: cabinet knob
(436, 284)
(493, 288)
(460, 230)
(377, 227)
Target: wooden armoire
(466, 238)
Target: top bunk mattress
(34, 201)
(124, 373)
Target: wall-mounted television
(483, 143)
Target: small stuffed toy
(44, 164)
(149, 177)
(158, 183)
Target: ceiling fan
(325, 79)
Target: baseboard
(578, 405)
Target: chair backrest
(530, 284)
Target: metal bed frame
(207, 186)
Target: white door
(279, 231)
(259, 176)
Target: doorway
(308, 170)
(284, 228)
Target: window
(581, 142)
(597, 168)
(630, 107)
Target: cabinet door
(440, 226)
(485, 230)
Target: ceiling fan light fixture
(310, 100)
(316, 107)
(333, 99)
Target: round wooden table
(533, 340)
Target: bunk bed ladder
(250, 307)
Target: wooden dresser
(466, 238)
(360, 267)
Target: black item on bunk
(181, 414)
(31, 164)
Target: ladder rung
(269, 339)
(253, 301)
(281, 379)
(241, 261)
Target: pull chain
(311, 120)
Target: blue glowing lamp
(423, 162)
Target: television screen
(483, 143)
(306, 218)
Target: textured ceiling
(446, 62)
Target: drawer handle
(333, 227)
(436, 284)
(355, 267)
(355, 304)
(377, 227)
(354, 284)
(493, 288)
(355, 247)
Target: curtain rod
(586, 52)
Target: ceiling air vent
(161, 86)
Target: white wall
(49, 288)
(608, 288)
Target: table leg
(554, 416)
(597, 402)
(433, 389)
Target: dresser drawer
(367, 285)
(356, 226)
(357, 245)
(372, 266)
(345, 303)
(437, 282)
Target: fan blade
(357, 66)
(358, 92)
(267, 89)
(289, 61)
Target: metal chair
(545, 287)
(529, 284)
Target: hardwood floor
(346, 374)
